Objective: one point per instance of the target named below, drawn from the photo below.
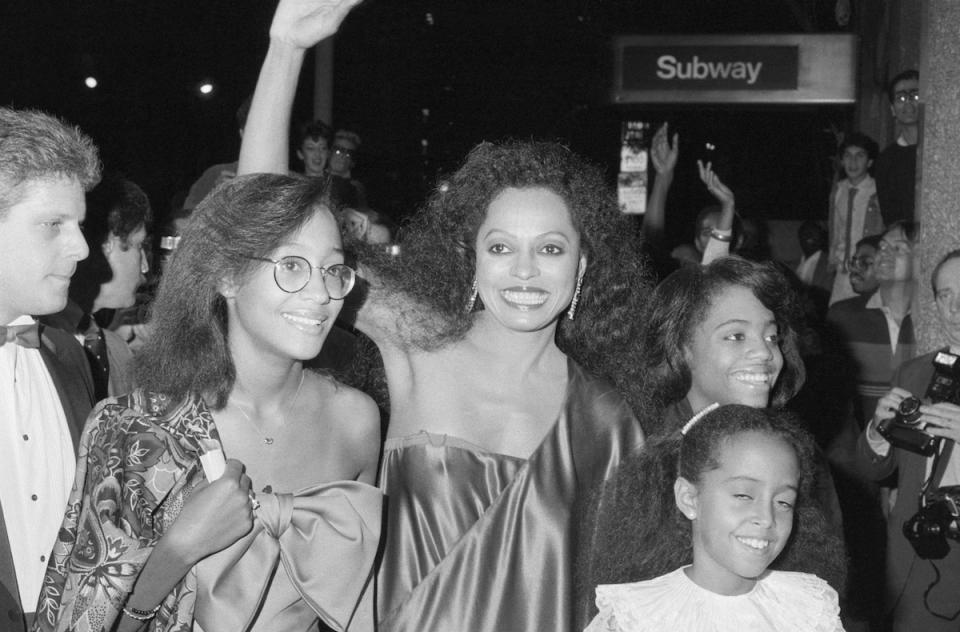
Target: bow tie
(23, 335)
(324, 537)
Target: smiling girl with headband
(726, 494)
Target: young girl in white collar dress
(730, 486)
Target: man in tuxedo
(46, 389)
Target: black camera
(905, 429)
(937, 520)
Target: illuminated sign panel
(710, 67)
(735, 69)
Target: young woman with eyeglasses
(233, 488)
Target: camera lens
(909, 410)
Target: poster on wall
(632, 179)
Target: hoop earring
(474, 291)
(576, 299)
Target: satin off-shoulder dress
(486, 542)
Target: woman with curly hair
(722, 333)
(514, 300)
(161, 529)
(725, 493)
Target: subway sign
(792, 68)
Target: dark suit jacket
(822, 274)
(908, 576)
(67, 364)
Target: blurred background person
(854, 212)
(345, 189)
(897, 164)
(312, 147)
(814, 270)
(862, 265)
(369, 226)
(877, 328)
(216, 174)
(115, 229)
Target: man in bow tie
(46, 389)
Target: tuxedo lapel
(70, 372)
(11, 614)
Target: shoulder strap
(940, 463)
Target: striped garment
(862, 325)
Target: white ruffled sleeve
(804, 601)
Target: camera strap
(939, 468)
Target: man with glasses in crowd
(344, 189)
(876, 328)
(896, 166)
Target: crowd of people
(524, 413)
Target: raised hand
(663, 153)
(716, 187)
(303, 23)
(215, 516)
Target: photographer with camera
(913, 432)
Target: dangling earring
(576, 299)
(473, 297)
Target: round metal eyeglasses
(292, 273)
(907, 95)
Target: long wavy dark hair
(681, 303)
(653, 538)
(248, 216)
(438, 261)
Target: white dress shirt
(37, 463)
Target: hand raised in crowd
(942, 419)
(303, 23)
(215, 515)
(716, 187)
(663, 153)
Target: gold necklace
(268, 440)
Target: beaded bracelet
(141, 615)
(721, 236)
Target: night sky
(483, 70)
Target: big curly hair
(248, 216)
(682, 301)
(438, 260)
(650, 537)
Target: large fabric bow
(325, 537)
(23, 335)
